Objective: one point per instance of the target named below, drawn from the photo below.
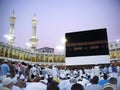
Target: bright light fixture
(7, 37)
(64, 40)
(117, 40)
(28, 44)
(60, 48)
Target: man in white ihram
(97, 70)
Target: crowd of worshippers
(24, 76)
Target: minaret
(11, 31)
(33, 39)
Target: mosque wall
(13, 53)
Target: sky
(57, 17)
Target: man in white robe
(97, 70)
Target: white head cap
(73, 80)
(7, 81)
(6, 60)
(36, 86)
(62, 76)
(22, 76)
